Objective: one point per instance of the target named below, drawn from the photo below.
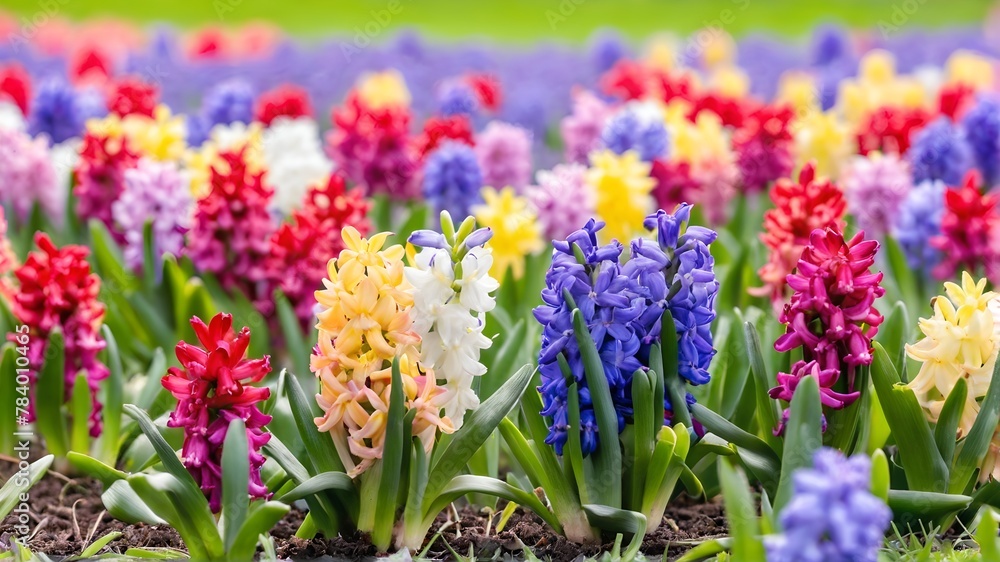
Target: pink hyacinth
(581, 129)
(717, 186)
(875, 188)
(831, 315)
(27, 175)
(562, 200)
(504, 154)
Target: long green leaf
(741, 512)
(767, 409)
(125, 505)
(235, 481)
(10, 493)
(291, 330)
(469, 484)
(619, 521)
(94, 468)
(319, 483)
(95, 547)
(674, 387)
(261, 520)
(946, 430)
(726, 430)
(80, 407)
(9, 372)
(803, 436)
(392, 460)
(163, 493)
(925, 506)
(50, 395)
(977, 444)
(322, 455)
(645, 439)
(113, 398)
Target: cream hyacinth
(961, 341)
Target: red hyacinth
(731, 111)
(487, 89)
(675, 183)
(213, 387)
(89, 66)
(440, 129)
(628, 80)
(232, 228)
(372, 147)
(888, 129)
(100, 176)
(970, 231)
(302, 247)
(133, 96)
(287, 100)
(832, 315)
(764, 146)
(954, 99)
(56, 290)
(15, 86)
(800, 208)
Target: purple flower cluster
(833, 516)
(630, 129)
(622, 306)
(982, 129)
(452, 180)
(504, 153)
(154, 192)
(940, 151)
(227, 102)
(918, 222)
(60, 111)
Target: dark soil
(67, 515)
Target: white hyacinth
(11, 118)
(295, 160)
(449, 312)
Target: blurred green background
(525, 20)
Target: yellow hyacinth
(823, 138)
(516, 230)
(364, 324)
(961, 340)
(161, 138)
(701, 141)
(622, 188)
(379, 90)
(730, 80)
(967, 67)
(799, 90)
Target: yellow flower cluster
(822, 137)
(379, 90)
(622, 188)
(961, 342)
(364, 324)
(516, 230)
(161, 137)
(878, 85)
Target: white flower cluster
(450, 305)
(11, 118)
(294, 159)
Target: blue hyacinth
(456, 97)
(940, 152)
(832, 516)
(918, 221)
(622, 306)
(630, 130)
(452, 179)
(982, 129)
(61, 112)
(227, 102)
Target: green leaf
(925, 469)
(392, 460)
(291, 330)
(926, 506)
(674, 387)
(741, 511)
(322, 455)
(478, 426)
(164, 494)
(125, 505)
(892, 334)
(607, 458)
(50, 396)
(113, 397)
(803, 436)
(726, 430)
(767, 409)
(974, 448)
(707, 550)
(880, 475)
(986, 536)
(8, 388)
(619, 521)
(150, 261)
(95, 547)
(235, 481)
(80, 408)
(261, 520)
(946, 430)
(94, 468)
(470, 484)
(319, 483)
(321, 508)
(645, 439)
(155, 554)
(19, 483)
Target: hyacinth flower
(982, 130)
(56, 292)
(961, 341)
(970, 231)
(890, 129)
(833, 515)
(287, 100)
(561, 199)
(763, 147)
(622, 188)
(875, 188)
(452, 179)
(504, 154)
(100, 174)
(639, 127)
(439, 130)
(581, 129)
(28, 176)
(800, 208)
(515, 228)
(302, 246)
(822, 140)
(452, 292)
(294, 159)
(231, 101)
(940, 151)
(132, 96)
(918, 224)
(60, 112)
(155, 193)
(831, 317)
(213, 386)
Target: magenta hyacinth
(155, 192)
(875, 187)
(581, 129)
(504, 154)
(831, 315)
(27, 175)
(562, 200)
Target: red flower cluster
(800, 208)
(487, 89)
(100, 176)
(888, 129)
(831, 316)
(440, 129)
(675, 183)
(232, 227)
(287, 100)
(764, 146)
(89, 65)
(731, 111)
(133, 96)
(302, 247)
(56, 290)
(15, 86)
(212, 388)
(954, 99)
(373, 148)
(970, 231)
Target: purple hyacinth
(28, 175)
(504, 154)
(875, 188)
(452, 180)
(832, 516)
(982, 129)
(919, 221)
(154, 192)
(60, 111)
(637, 127)
(940, 151)
(455, 97)
(581, 130)
(562, 199)
(227, 102)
